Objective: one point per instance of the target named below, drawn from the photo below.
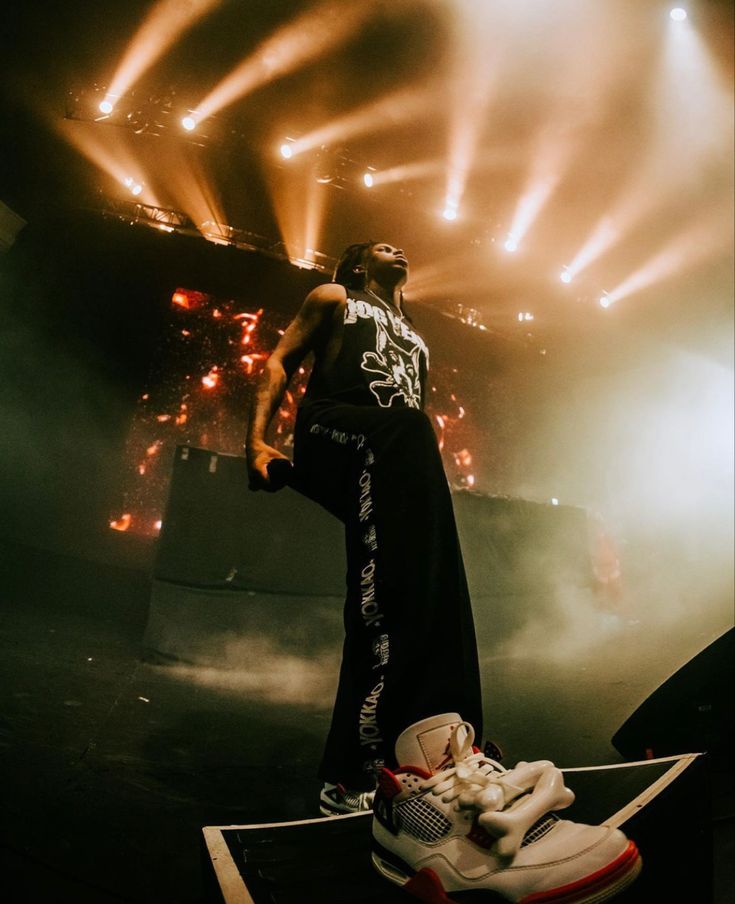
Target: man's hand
(258, 460)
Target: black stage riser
(217, 533)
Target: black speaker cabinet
(692, 710)
(222, 545)
(216, 533)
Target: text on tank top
(382, 359)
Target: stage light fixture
(554, 500)
(286, 151)
(565, 276)
(605, 300)
(510, 244)
(189, 123)
(450, 213)
(678, 14)
(135, 187)
(368, 180)
(106, 107)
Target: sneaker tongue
(426, 743)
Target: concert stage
(114, 763)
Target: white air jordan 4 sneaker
(451, 825)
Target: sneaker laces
(508, 801)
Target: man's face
(386, 263)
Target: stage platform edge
(663, 804)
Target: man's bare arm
(302, 336)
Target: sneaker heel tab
(388, 784)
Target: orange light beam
(701, 241)
(162, 27)
(299, 202)
(478, 62)
(302, 40)
(420, 169)
(117, 161)
(385, 113)
(192, 188)
(691, 129)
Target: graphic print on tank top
(393, 367)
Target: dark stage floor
(112, 764)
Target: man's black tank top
(382, 360)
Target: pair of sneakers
(450, 821)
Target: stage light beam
(162, 27)
(678, 14)
(189, 123)
(387, 112)
(702, 239)
(295, 44)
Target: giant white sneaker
(450, 820)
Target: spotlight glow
(106, 107)
(511, 244)
(387, 112)
(678, 14)
(565, 276)
(472, 86)
(605, 300)
(419, 169)
(164, 24)
(450, 213)
(300, 41)
(189, 123)
(368, 180)
(136, 189)
(112, 158)
(702, 239)
(286, 151)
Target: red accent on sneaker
(579, 890)
(427, 887)
(388, 784)
(341, 789)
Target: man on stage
(365, 450)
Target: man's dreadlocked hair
(344, 274)
(353, 256)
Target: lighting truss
(145, 114)
(167, 219)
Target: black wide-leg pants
(410, 649)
